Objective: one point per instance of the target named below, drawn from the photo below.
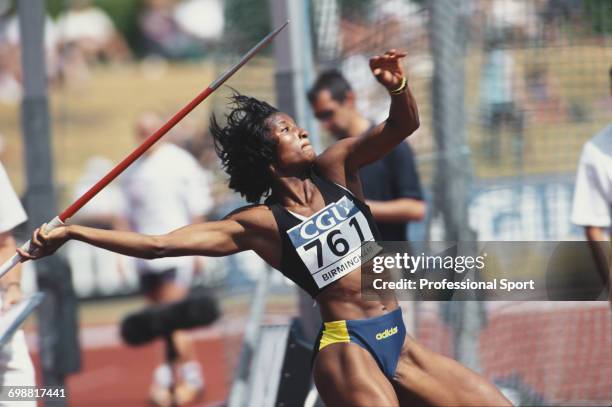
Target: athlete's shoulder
(257, 216)
(335, 155)
(339, 149)
(334, 163)
(247, 211)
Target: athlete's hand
(387, 69)
(45, 243)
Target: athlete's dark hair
(334, 82)
(245, 147)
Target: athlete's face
(334, 116)
(293, 149)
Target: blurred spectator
(10, 88)
(169, 37)
(88, 35)
(544, 101)
(391, 185)
(16, 367)
(501, 100)
(100, 271)
(593, 197)
(166, 190)
(555, 12)
(202, 19)
(400, 22)
(10, 53)
(514, 20)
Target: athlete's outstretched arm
(403, 117)
(218, 238)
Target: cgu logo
(326, 219)
(387, 333)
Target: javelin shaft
(152, 139)
(140, 150)
(133, 156)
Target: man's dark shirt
(394, 176)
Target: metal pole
(294, 66)
(448, 36)
(56, 315)
(327, 31)
(240, 391)
(294, 73)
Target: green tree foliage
(55, 7)
(124, 14)
(600, 14)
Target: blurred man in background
(593, 196)
(16, 367)
(501, 99)
(100, 271)
(391, 186)
(167, 189)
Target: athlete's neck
(292, 191)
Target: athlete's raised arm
(402, 121)
(237, 232)
(403, 117)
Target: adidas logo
(386, 333)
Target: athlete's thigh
(424, 377)
(347, 375)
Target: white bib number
(331, 242)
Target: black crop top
(320, 249)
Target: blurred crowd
(517, 86)
(84, 34)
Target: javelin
(140, 150)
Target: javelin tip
(266, 40)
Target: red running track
(113, 374)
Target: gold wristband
(401, 88)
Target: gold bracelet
(401, 88)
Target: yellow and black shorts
(382, 336)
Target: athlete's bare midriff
(343, 300)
